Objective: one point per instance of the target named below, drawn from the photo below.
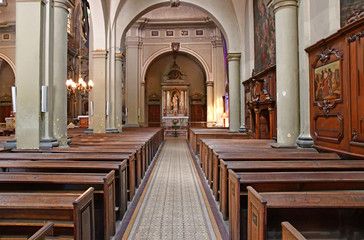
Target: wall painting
(264, 36)
(350, 10)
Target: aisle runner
(173, 207)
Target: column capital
(64, 4)
(99, 54)
(233, 57)
(209, 83)
(277, 4)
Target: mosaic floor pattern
(173, 206)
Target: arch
(221, 12)
(182, 49)
(9, 61)
(98, 25)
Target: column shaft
(29, 44)
(210, 102)
(234, 91)
(99, 91)
(60, 70)
(118, 92)
(287, 71)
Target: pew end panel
(257, 215)
(291, 233)
(109, 203)
(84, 216)
(234, 203)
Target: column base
(48, 143)
(112, 130)
(131, 125)
(10, 144)
(89, 130)
(242, 129)
(278, 145)
(305, 142)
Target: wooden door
(198, 113)
(154, 115)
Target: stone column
(60, 70)
(305, 139)
(132, 83)
(168, 100)
(29, 60)
(164, 100)
(141, 111)
(118, 90)
(287, 71)
(182, 104)
(99, 91)
(234, 91)
(210, 102)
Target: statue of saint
(175, 102)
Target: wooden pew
(72, 214)
(80, 157)
(121, 191)
(277, 166)
(290, 233)
(104, 185)
(331, 211)
(282, 181)
(20, 233)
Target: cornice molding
(231, 57)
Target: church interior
(182, 119)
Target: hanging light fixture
(81, 85)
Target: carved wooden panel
(337, 91)
(329, 128)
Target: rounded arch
(222, 13)
(183, 50)
(9, 61)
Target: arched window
(69, 22)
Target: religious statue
(175, 102)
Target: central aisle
(173, 207)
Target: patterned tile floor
(173, 206)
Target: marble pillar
(234, 91)
(210, 102)
(99, 91)
(60, 70)
(287, 71)
(219, 79)
(168, 101)
(29, 75)
(182, 104)
(118, 89)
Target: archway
(7, 80)
(195, 77)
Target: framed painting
(350, 11)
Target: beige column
(305, 139)
(99, 91)
(168, 100)
(210, 102)
(182, 104)
(118, 92)
(234, 91)
(142, 108)
(132, 83)
(60, 70)
(287, 71)
(29, 47)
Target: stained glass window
(69, 23)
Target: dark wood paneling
(154, 115)
(337, 91)
(198, 113)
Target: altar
(175, 102)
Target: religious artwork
(169, 33)
(350, 11)
(327, 82)
(264, 36)
(175, 101)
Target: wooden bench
(290, 233)
(121, 191)
(328, 211)
(72, 214)
(276, 166)
(282, 181)
(80, 157)
(104, 185)
(21, 233)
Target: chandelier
(81, 85)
